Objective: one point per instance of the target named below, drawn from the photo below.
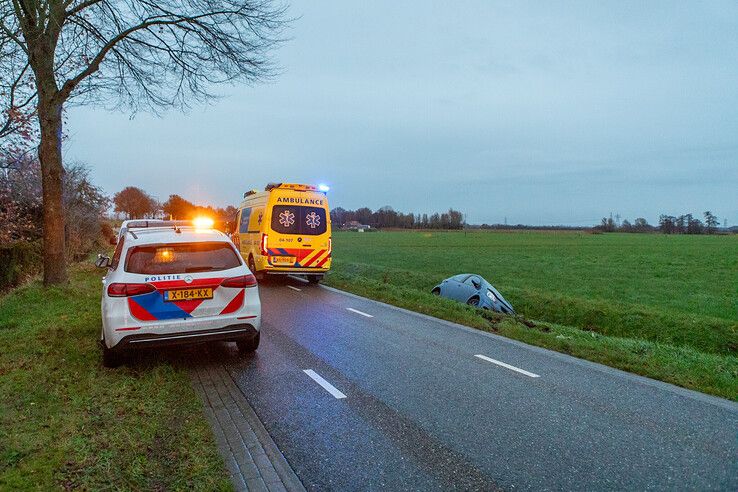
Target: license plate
(188, 294)
(283, 260)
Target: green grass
(67, 422)
(661, 306)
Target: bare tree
(136, 54)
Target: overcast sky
(541, 112)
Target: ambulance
(285, 229)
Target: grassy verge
(67, 422)
(668, 357)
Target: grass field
(68, 423)
(661, 306)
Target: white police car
(170, 283)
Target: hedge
(17, 260)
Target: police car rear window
(295, 219)
(159, 259)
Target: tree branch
(94, 65)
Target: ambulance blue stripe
(154, 304)
(283, 251)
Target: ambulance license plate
(188, 294)
(283, 260)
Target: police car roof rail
(144, 223)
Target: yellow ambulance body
(285, 229)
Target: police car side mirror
(102, 261)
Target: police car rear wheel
(252, 266)
(111, 358)
(248, 346)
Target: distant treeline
(387, 217)
(524, 227)
(668, 224)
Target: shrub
(21, 210)
(18, 260)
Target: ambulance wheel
(248, 346)
(252, 266)
(314, 279)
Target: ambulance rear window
(160, 259)
(296, 219)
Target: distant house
(356, 226)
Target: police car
(175, 282)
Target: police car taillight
(127, 290)
(239, 282)
(264, 239)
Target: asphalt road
(405, 403)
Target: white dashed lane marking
(359, 312)
(325, 384)
(507, 366)
(294, 288)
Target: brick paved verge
(251, 456)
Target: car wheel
(252, 266)
(248, 346)
(474, 301)
(111, 358)
(436, 291)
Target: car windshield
(295, 219)
(461, 278)
(160, 259)
(474, 281)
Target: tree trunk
(52, 170)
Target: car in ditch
(171, 283)
(475, 291)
